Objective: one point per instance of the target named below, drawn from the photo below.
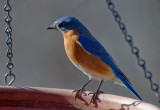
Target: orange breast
(79, 56)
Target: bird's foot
(78, 91)
(94, 96)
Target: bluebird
(89, 56)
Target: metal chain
(9, 53)
(134, 50)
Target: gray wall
(39, 56)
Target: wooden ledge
(36, 98)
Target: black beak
(51, 27)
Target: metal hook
(9, 53)
(11, 81)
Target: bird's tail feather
(130, 87)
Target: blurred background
(39, 56)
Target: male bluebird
(88, 55)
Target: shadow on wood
(36, 98)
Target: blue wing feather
(94, 47)
(91, 45)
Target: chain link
(9, 54)
(134, 50)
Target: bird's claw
(94, 96)
(78, 91)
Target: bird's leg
(95, 94)
(82, 88)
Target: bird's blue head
(68, 23)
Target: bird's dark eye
(61, 25)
